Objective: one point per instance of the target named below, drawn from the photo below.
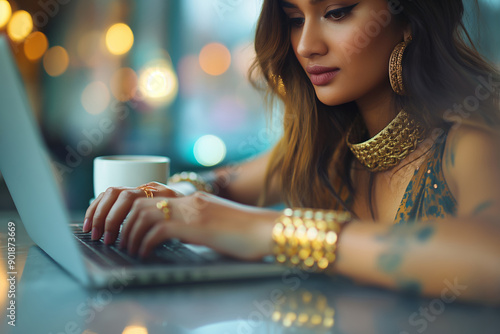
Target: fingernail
(95, 234)
(86, 225)
(108, 238)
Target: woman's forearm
(456, 258)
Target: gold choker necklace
(389, 146)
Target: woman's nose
(311, 42)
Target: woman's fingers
(87, 223)
(137, 207)
(146, 219)
(144, 214)
(108, 211)
(164, 230)
(102, 211)
(119, 212)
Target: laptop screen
(27, 170)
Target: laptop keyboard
(170, 252)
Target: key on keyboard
(170, 252)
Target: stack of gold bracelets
(308, 238)
(195, 179)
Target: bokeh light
(95, 97)
(35, 45)
(215, 59)
(158, 83)
(56, 61)
(135, 330)
(209, 150)
(124, 84)
(5, 13)
(119, 39)
(20, 26)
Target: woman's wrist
(308, 238)
(197, 182)
(183, 188)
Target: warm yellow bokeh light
(95, 97)
(5, 13)
(20, 26)
(119, 39)
(158, 84)
(4, 284)
(215, 59)
(135, 330)
(124, 84)
(35, 45)
(56, 61)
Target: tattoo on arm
(399, 239)
(403, 233)
(482, 207)
(390, 261)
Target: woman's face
(344, 45)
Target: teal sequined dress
(427, 196)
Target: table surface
(48, 300)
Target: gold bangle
(195, 179)
(163, 206)
(307, 238)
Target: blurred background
(154, 77)
(148, 77)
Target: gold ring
(147, 191)
(163, 206)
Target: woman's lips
(321, 77)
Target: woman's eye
(339, 14)
(336, 14)
(296, 21)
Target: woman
(390, 119)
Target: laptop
(28, 173)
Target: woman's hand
(227, 227)
(108, 211)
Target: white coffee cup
(129, 171)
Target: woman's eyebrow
(287, 4)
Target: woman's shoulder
(470, 152)
(465, 141)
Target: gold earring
(278, 81)
(396, 67)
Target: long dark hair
(441, 68)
